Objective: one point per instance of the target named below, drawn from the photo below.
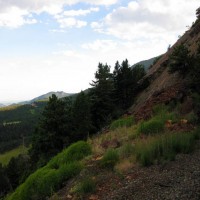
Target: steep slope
(165, 86)
(147, 63)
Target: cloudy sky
(55, 45)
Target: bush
(126, 150)
(49, 178)
(163, 147)
(74, 152)
(86, 186)
(110, 159)
(125, 122)
(152, 126)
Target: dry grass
(125, 165)
(122, 134)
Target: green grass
(123, 122)
(5, 158)
(153, 126)
(48, 179)
(110, 159)
(163, 147)
(87, 185)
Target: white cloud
(23, 8)
(71, 22)
(15, 17)
(148, 19)
(80, 12)
(100, 45)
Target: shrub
(152, 126)
(124, 122)
(126, 150)
(49, 178)
(74, 152)
(87, 185)
(163, 147)
(110, 159)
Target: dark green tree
(81, 116)
(51, 134)
(4, 182)
(126, 83)
(101, 94)
(180, 60)
(22, 168)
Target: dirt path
(179, 179)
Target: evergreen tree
(180, 60)
(81, 116)
(50, 136)
(4, 182)
(102, 103)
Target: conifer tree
(102, 103)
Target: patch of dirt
(179, 179)
(175, 92)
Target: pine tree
(102, 96)
(81, 116)
(50, 135)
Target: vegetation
(5, 157)
(17, 124)
(87, 185)
(62, 167)
(123, 122)
(163, 147)
(110, 159)
(153, 126)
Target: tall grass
(87, 185)
(48, 179)
(123, 122)
(110, 159)
(163, 147)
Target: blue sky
(53, 45)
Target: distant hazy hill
(2, 105)
(59, 94)
(147, 63)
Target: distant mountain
(2, 105)
(147, 63)
(59, 94)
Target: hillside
(16, 122)
(149, 150)
(147, 63)
(44, 97)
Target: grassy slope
(5, 158)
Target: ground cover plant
(49, 178)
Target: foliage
(87, 185)
(164, 147)
(21, 165)
(126, 82)
(49, 178)
(4, 182)
(101, 95)
(51, 132)
(81, 117)
(5, 157)
(18, 122)
(126, 150)
(153, 126)
(110, 159)
(180, 60)
(123, 122)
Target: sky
(56, 45)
